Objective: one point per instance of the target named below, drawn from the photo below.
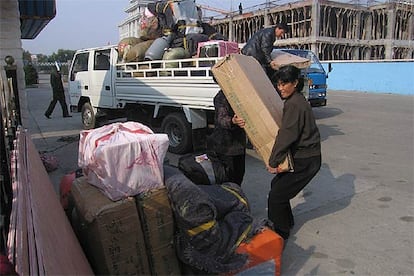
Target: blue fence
(396, 77)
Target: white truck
(171, 96)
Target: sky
(91, 23)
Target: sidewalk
(355, 218)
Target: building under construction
(334, 30)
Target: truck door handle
(86, 87)
(107, 87)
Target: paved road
(355, 218)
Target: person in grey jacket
(298, 134)
(260, 45)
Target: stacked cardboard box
(158, 227)
(253, 97)
(132, 236)
(109, 231)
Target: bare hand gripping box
(253, 97)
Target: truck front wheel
(88, 116)
(177, 128)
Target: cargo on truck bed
(174, 96)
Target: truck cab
(91, 82)
(315, 74)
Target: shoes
(65, 116)
(47, 116)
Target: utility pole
(231, 22)
(266, 18)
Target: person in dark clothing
(228, 140)
(298, 134)
(260, 45)
(58, 93)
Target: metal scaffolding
(333, 30)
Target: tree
(27, 57)
(61, 55)
(42, 58)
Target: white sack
(123, 159)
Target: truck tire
(179, 133)
(88, 116)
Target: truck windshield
(315, 67)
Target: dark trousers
(286, 186)
(236, 167)
(52, 105)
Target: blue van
(315, 74)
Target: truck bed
(170, 82)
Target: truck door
(78, 77)
(101, 89)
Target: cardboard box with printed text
(109, 231)
(253, 97)
(157, 221)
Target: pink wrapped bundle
(123, 159)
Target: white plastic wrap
(123, 159)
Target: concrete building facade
(10, 42)
(335, 30)
(130, 26)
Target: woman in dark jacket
(228, 141)
(298, 134)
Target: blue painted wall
(396, 77)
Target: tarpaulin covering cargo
(212, 220)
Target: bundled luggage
(136, 215)
(212, 220)
(123, 159)
(203, 169)
(165, 25)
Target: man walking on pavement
(58, 92)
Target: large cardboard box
(253, 97)
(158, 225)
(109, 231)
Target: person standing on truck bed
(298, 134)
(58, 93)
(228, 140)
(260, 45)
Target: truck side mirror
(330, 67)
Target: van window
(102, 60)
(80, 64)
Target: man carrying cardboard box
(253, 97)
(299, 135)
